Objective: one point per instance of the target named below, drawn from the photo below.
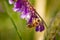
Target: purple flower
(28, 13)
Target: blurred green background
(8, 31)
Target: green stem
(51, 22)
(53, 19)
(16, 28)
(6, 7)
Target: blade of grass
(5, 4)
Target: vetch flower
(28, 13)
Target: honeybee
(35, 22)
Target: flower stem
(6, 7)
(16, 28)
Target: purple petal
(11, 1)
(25, 16)
(26, 11)
(16, 9)
(42, 28)
(34, 15)
(37, 28)
(30, 20)
(19, 4)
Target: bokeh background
(49, 10)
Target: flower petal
(37, 28)
(11, 1)
(42, 28)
